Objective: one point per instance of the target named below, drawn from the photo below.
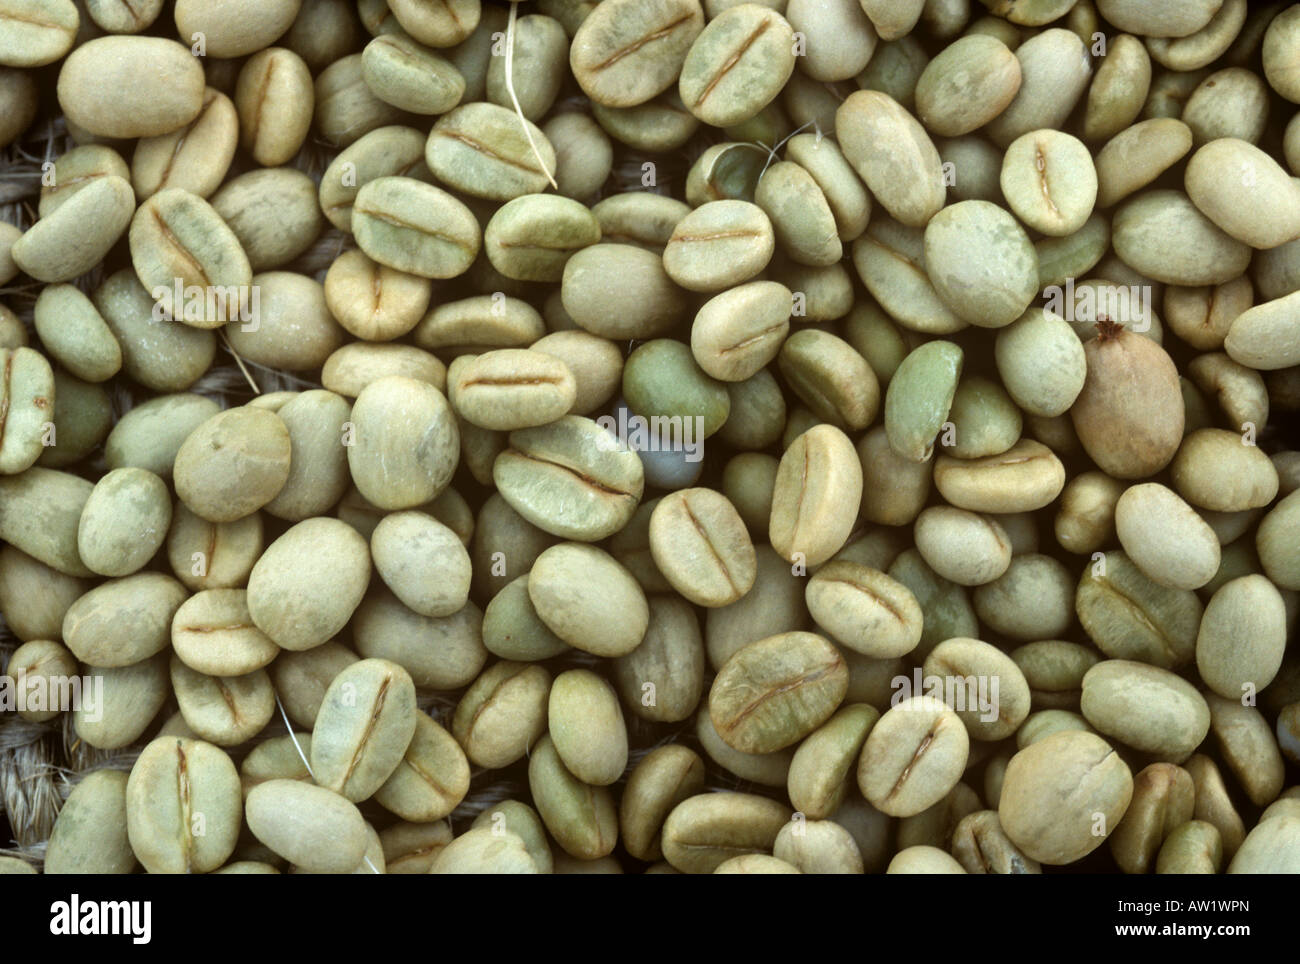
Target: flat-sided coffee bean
(913, 756)
(1026, 477)
(737, 332)
(213, 555)
(432, 778)
(822, 766)
(719, 245)
(737, 65)
(36, 32)
(482, 150)
(983, 684)
(227, 710)
(179, 242)
(27, 400)
(582, 818)
(981, 846)
(532, 237)
(214, 634)
(503, 713)
(40, 666)
(666, 777)
(364, 727)
(830, 378)
(440, 25)
(865, 609)
(816, 497)
(701, 545)
(774, 692)
(510, 389)
(195, 157)
(632, 50)
(570, 478)
(412, 848)
(415, 227)
(707, 829)
(393, 151)
(183, 807)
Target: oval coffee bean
(571, 478)
(127, 87)
(586, 725)
(365, 724)
(405, 443)
(817, 496)
(183, 807)
(213, 633)
(311, 827)
(913, 756)
(700, 544)
(233, 464)
(307, 584)
(775, 691)
(511, 388)
(415, 227)
(707, 829)
(1063, 795)
(90, 835)
(588, 599)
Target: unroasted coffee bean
(213, 633)
(631, 51)
(700, 544)
(309, 826)
(511, 388)
(183, 807)
(570, 478)
(707, 829)
(123, 87)
(913, 756)
(365, 724)
(1063, 795)
(775, 691)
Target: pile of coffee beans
(822, 436)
